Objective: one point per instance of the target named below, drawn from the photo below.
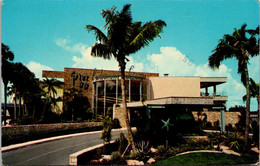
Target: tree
(27, 89)
(76, 104)
(7, 56)
(123, 38)
(51, 85)
(242, 117)
(242, 45)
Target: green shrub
(234, 141)
(122, 143)
(117, 159)
(107, 128)
(163, 153)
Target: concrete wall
(45, 128)
(174, 87)
(213, 116)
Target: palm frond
(221, 52)
(147, 33)
(98, 33)
(100, 50)
(109, 15)
(125, 13)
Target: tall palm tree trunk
(20, 105)
(258, 109)
(15, 106)
(126, 112)
(247, 108)
(5, 96)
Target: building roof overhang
(211, 81)
(202, 101)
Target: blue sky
(51, 35)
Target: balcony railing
(212, 94)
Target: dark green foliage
(76, 105)
(107, 128)
(122, 143)
(255, 127)
(230, 128)
(143, 152)
(117, 159)
(190, 145)
(164, 153)
(240, 125)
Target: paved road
(52, 153)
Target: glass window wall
(108, 92)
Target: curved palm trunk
(258, 110)
(247, 108)
(128, 127)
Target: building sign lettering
(82, 79)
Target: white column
(93, 96)
(129, 90)
(96, 97)
(116, 90)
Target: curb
(21, 145)
(197, 151)
(73, 158)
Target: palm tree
(51, 85)
(123, 38)
(7, 56)
(242, 45)
(12, 90)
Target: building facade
(103, 87)
(148, 91)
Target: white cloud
(85, 60)
(37, 68)
(172, 61)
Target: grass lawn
(203, 158)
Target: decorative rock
(106, 157)
(153, 150)
(134, 162)
(151, 160)
(94, 162)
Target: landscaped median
(24, 133)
